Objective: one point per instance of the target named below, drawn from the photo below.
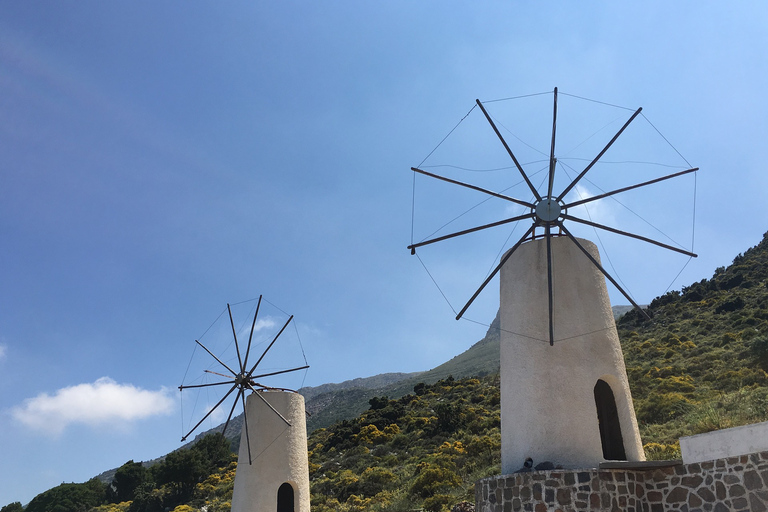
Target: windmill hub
(548, 209)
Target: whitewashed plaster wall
(278, 452)
(548, 409)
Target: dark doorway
(285, 498)
(608, 418)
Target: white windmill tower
(565, 396)
(273, 468)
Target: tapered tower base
(569, 403)
(277, 480)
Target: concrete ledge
(721, 444)
(646, 465)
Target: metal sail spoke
(618, 191)
(232, 410)
(216, 373)
(205, 385)
(278, 373)
(273, 409)
(506, 146)
(552, 149)
(549, 286)
(253, 326)
(593, 162)
(269, 347)
(237, 347)
(495, 271)
(210, 412)
(471, 230)
(473, 187)
(247, 434)
(631, 235)
(601, 269)
(216, 358)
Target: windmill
(549, 211)
(567, 403)
(243, 380)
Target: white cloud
(600, 211)
(265, 323)
(103, 402)
(261, 324)
(3, 350)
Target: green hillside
(423, 450)
(700, 363)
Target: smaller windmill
(244, 380)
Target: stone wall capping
(645, 465)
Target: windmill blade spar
(495, 271)
(247, 434)
(549, 286)
(618, 191)
(269, 347)
(273, 409)
(232, 410)
(472, 187)
(601, 269)
(253, 326)
(216, 358)
(631, 235)
(552, 149)
(279, 372)
(413, 247)
(205, 385)
(234, 333)
(593, 162)
(509, 151)
(210, 412)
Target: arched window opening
(608, 418)
(285, 498)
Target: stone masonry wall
(732, 484)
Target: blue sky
(158, 160)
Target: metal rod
(495, 271)
(232, 410)
(280, 372)
(514, 159)
(631, 235)
(601, 269)
(247, 434)
(237, 347)
(253, 325)
(273, 409)
(205, 385)
(552, 150)
(549, 286)
(473, 187)
(216, 358)
(216, 373)
(593, 162)
(617, 191)
(269, 347)
(209, 412)
(471, 230)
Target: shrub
(657, 451)
(662, 408)
(439, 502)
